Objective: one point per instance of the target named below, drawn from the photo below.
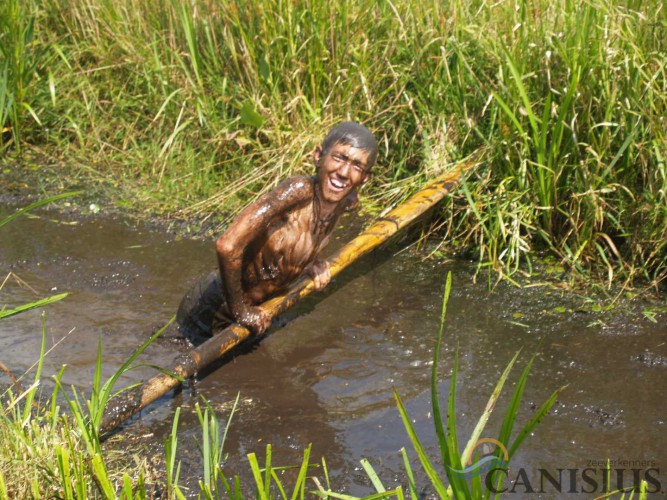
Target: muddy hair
(355, 135)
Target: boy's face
(341, 170)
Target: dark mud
(325, 373)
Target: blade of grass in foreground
(300, 487)
(6, 313)
(27, 409)
(527, 429)
(101, 396)
(37, 204)
(411, 477)
(490, 405)
(173, 470)
(540, 413)
(372, 475)
(447, 439)
(88, 413)
(432, 474)
(512, 410)
(254, 466)
(510, 418)
(445, 451)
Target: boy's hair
(352, 134)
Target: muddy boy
(277, 238)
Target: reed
(21, 58)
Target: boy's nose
(344, 170)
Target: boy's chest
(296, 238)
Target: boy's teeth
(336, 184)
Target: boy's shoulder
(299, 186)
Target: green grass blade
(518, 81)
(299, 487)
(64, 468)
(30, 397)
(126, 492)
(267, 470)
(490, 405)
(54, 400)
(228, 487)
(435, 402)
(102, 477)
(6, 313)
(170, 447)
(257, 475)
(326, 473)
(372, 475)
(95, 407)
(3, 486)
(511, 115)
(476, 490)
(513, 408)
(414, 495)
(206, 448)
(510, 417)
(330, 494)
(458, 485)
(619, 154)
(105, 393)
(540, 413)
(447, 438)
(377, 496)
(419, 449)
(37, 204)
(278, 483)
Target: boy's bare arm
(246, 228)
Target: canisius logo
(490, 459)
(606, 477)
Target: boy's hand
(255, 319)
(320, 274)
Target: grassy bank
(193, 108)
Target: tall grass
(199, 106)
(21, 57)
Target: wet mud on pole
(131, 402)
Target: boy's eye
(340, 159)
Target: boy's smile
(341, 170)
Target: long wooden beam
(132, 401)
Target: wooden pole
(131, 402)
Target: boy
(278, 237)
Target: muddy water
(325, 374)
